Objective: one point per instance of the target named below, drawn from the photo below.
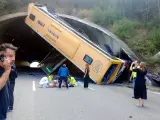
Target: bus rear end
(111, 72)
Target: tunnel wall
(6, 19)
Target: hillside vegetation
(136, 22)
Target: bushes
(98, 16)
(125, 28)
(153, 62)
(3, 4)
(122, 27)
(154, 23)
(85, 13)
(105, 17)
(144, 48)
(143, 40)
(154, 36)
(9, 6)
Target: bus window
(88, 59)
(32, 17)
(109, 73)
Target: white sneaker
(138, 105)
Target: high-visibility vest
(72, 81)
(134, 74)
(50, 77)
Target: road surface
(95, 103)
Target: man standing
(63, 73)
(7, 51)
(13, 75)
(10, 52)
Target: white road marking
(156, 93)
(88, 87)
(91, 88)
(34, 86)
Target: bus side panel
(67, 43)
(99, 65)
(53, 33)
(41, 29)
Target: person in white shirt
(44, 82)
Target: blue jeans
(65, 80)
(133, 82)
(11, 95)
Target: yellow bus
(75, 47)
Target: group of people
(57, 81)
(63, 74)
(52, 81)
(63, 79)
(8, 74)
(138, 74)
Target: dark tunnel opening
(31, 47)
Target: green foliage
(154, 23)
(125, 28)
(8, 6)
(3, 4)
(84, 13)
(154, 61)
(105, 17)
(145, 48)
(154, 36)
(98, 16)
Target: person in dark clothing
(63, 73)
(4, 96)
(86, 76)
(7, 50)
(140, 91)
(10, 53)
(13, 75)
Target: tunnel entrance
(31, 47)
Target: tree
(3, 4)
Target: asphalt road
(95, 103)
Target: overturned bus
(107, 57)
